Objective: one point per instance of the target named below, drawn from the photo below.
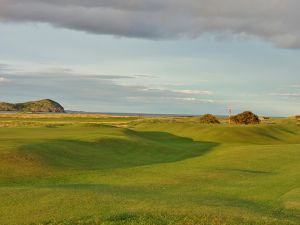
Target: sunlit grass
(63, 169)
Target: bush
(209, 118)
(245, 118)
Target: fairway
(136, 170)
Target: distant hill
(45, 105)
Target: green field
(134, 170)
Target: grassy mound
(246, 118)
(132, 149)
(262, 134)
(209, 119)
(54, 148)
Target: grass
(77, 170)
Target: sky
(150, 56)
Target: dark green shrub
(246, 117)
(209, 119)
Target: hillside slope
(254, 134)
(45, 105)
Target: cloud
(197, 92)
(295, 86)
(3, 80)
(285, 94)
(3, 67)
(196, 100)
(62, 72)
(273, 20)
(82, 76)
(99, 93)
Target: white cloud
(295, 86)
(187, 99)
(276, 21)
(197, 92)
(3, 67)
(196, 100)
(286, 94)
(92, 93)
(3, 80)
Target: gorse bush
(246, 117)
(209, 118)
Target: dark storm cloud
(276, 21)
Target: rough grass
(166, 172)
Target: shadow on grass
(248, 171)
(163, 218)
(132, 149)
